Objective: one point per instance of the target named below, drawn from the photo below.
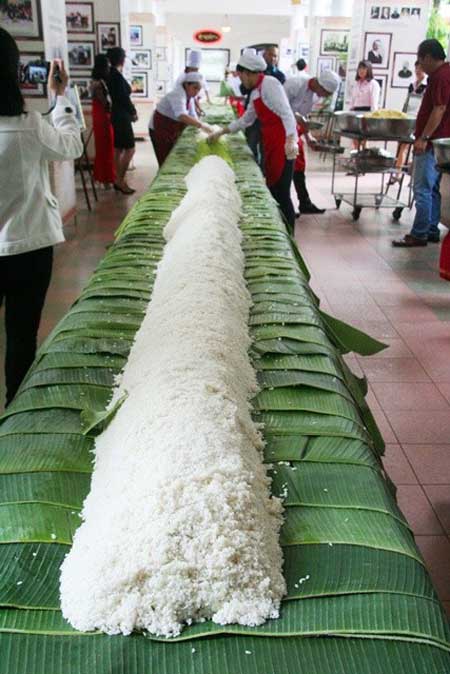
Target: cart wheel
(338, 202)
(397, 214)
(356, 212)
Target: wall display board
(325, 63)
(388, 36)
(214, 63)
(21, 19)
(80, 17)
(84, 90)
(136, 36)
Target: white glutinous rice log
(179, 525)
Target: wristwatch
(427, 138)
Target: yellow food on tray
(386, 114)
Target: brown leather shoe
(409, 241)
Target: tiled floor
(395, 295)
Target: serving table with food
(384, 126)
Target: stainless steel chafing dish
(375, 127)
(442, 152)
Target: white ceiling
(264, 7)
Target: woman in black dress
(123, 114)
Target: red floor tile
(417, 510)
(439, 497)
(402, 396)
(396, 349)
(420, 427)
(393, 370)
(417, 311)
(445, 390)
(436, 553)
(397, 465)
(382, 422)
(431, 463)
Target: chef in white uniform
(193, 63)
(303, 92)
(269, 104)
(173, 113)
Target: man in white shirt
(303, 91)
(269, 104)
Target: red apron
(164, 135)
(300, 162)
(273, 139)
(444, 262)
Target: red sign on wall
(207, 36)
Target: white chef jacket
(300, 96)
(29, 213)
(235, 83)
(174, 104)
(365, 94)
(274, 97)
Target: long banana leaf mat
(359, 598)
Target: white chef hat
(329, 81)
(193, 77)
(194, 58)
(251, 61)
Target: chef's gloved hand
(214, 137)
(291, 147)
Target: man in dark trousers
(433, 121)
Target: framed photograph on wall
(108, 36)
(81, 55)
(141, 59)
(377, 49)
(334, 42)
(34, 89)
(139, 85)
(22, 19)
(382, 79)
(84, 89)
(80, 17)
(403, 69)
(325, 63)
(136, 36)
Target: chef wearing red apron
(173, 113)
(303, 91)
(268, 103)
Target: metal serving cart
(362, 129)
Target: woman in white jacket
(30, 222)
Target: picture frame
(403, 69)
(334, 42)
(139, 84)
(80, 55)
(38, 90)
(80, 17)
(108, 35)
(382, 79)
(377, 49)
(325, 63)
(161, 53)
(73, 94)
(214, 63)
(136, 36)
(141, 59)
(84, 89)
(20, 26)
